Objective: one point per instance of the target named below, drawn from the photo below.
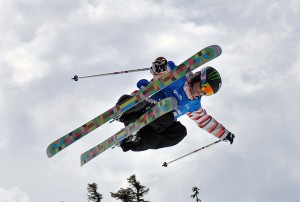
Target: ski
(159, 109)
(198, 59)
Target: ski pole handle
(76, 78)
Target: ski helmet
(210, 80)
(159, 65)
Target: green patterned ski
(159, 109)
(200, 58)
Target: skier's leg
(133, 113)
(150, 138)
(162, 123)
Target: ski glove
(158, 75)
(229, 138)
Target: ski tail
(83, 130)
(159, 109)
(80, 132)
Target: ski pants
(162, 132)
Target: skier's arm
(208, 123)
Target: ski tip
(48, 152)
(51, 151)
(83, 159)
(217, 49)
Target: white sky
(44, 43)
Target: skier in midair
(166, 131)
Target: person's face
(196, 90)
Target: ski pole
(165, 164)
(75, 78)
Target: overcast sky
(44, 43)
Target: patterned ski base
(156, 111)
(187, 66)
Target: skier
(166, 131)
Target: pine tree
(134, 193)
(93, 195)
(125, 195)
(139, 190)
(195, 195)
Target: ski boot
(130, 116)
(135, 112)
(229, 138)
(130, 142)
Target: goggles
(205, 87)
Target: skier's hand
(229, 138)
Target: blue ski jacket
(177, 91)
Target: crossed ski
(198, 59)
(159, 109)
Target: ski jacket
(184, 104)
(190, 106)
